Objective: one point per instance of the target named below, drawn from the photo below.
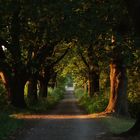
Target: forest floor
(65, 122)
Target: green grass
(45, 104)
(117, 124)
(98, 104)
(8, 125)
(91, 105)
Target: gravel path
(65, 122)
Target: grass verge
(117, 125)
(9, 125)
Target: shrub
(95, 104)
(79, 93)
(92, 105)
(44, 104)
(133, 103)
(8, 125)
(3, 96)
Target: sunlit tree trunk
(118, 89)
(5, 80)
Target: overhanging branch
(61, 57)
(82, 57)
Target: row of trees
(36, 35)
(116, 43)
(30, 47)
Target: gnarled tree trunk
(118, 89)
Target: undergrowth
(100, 102)
(10, 125)
(91, 105)
(45, 104)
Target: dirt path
(65, 122)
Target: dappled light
(69, 63)
(56, 117)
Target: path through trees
(90, 41)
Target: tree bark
(93, 84)
(32, 90)
(96, 83)
(118, 89)
(43, 90)
(133, 9)
(53, 80)
(14, 84)
(16, 92)
(93, 71)
(85, 86)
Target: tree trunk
(43, 91)
(32, 90)
(16, 92)
(118, 87)
(93, 84)
(53, 80)
(134, 8)
(85, 87)
(96, 83)
(15, 89)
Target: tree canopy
(40, 41)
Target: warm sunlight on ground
(26, 116)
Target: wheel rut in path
(65, 122)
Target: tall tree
(91, 63)
(23, 34)
(14, 71)
(133, 9)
